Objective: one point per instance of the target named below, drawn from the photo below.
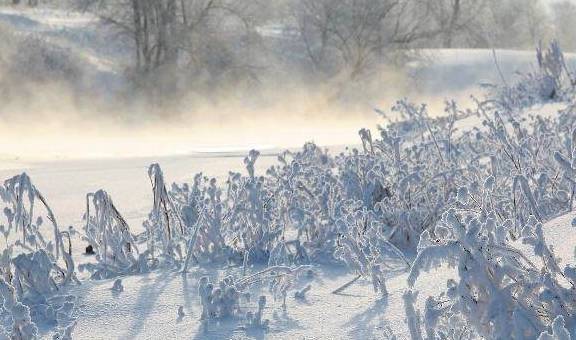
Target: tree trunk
(449, 34)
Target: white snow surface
(148, 309)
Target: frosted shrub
(556, 77)
(22, 327)
(234, 225)
(251, 222)
(36, 263)
(364, 247)
(518, 177)
(220, 302)
(494, 278)
(515, 173)
(308, 201)
(223, 301)
(500, 292)
(109, 235)
(552, 81)
(164, 227)
(415, 171)
(40, 251)
(201, 208)
(291, 215)
(20, 197)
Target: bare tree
(515, 23)
(350, 35)
(563, 14)
(178, 39)
(457, 19)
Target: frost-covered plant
(223, 301)
(20, 196)
(308, 202)
(202, 212)
(231, 225)
(22, 327)
(164, 225)
(36, 263)
(219, 302)
(493, 290)
(552, 81)
(421, 163)
(110, 237)
(554, 70)
(364, 247)
(499, 291)
(519, 176)
(39, 251)
(251, 223)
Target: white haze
(60, 121)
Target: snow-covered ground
(148, 309)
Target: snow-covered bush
(232, 225)
(228, 300)
(109, 235)
(500, 292)
(201, 209)
(38, 248)
(251, 208)
(514, 173)
(22, 327)
(551, 81)
(308, 203)
(36, 263)
(164, 228)
(496, 283)
(364, 247)
(222, 301)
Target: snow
(148, 308)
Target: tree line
(207, 42)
